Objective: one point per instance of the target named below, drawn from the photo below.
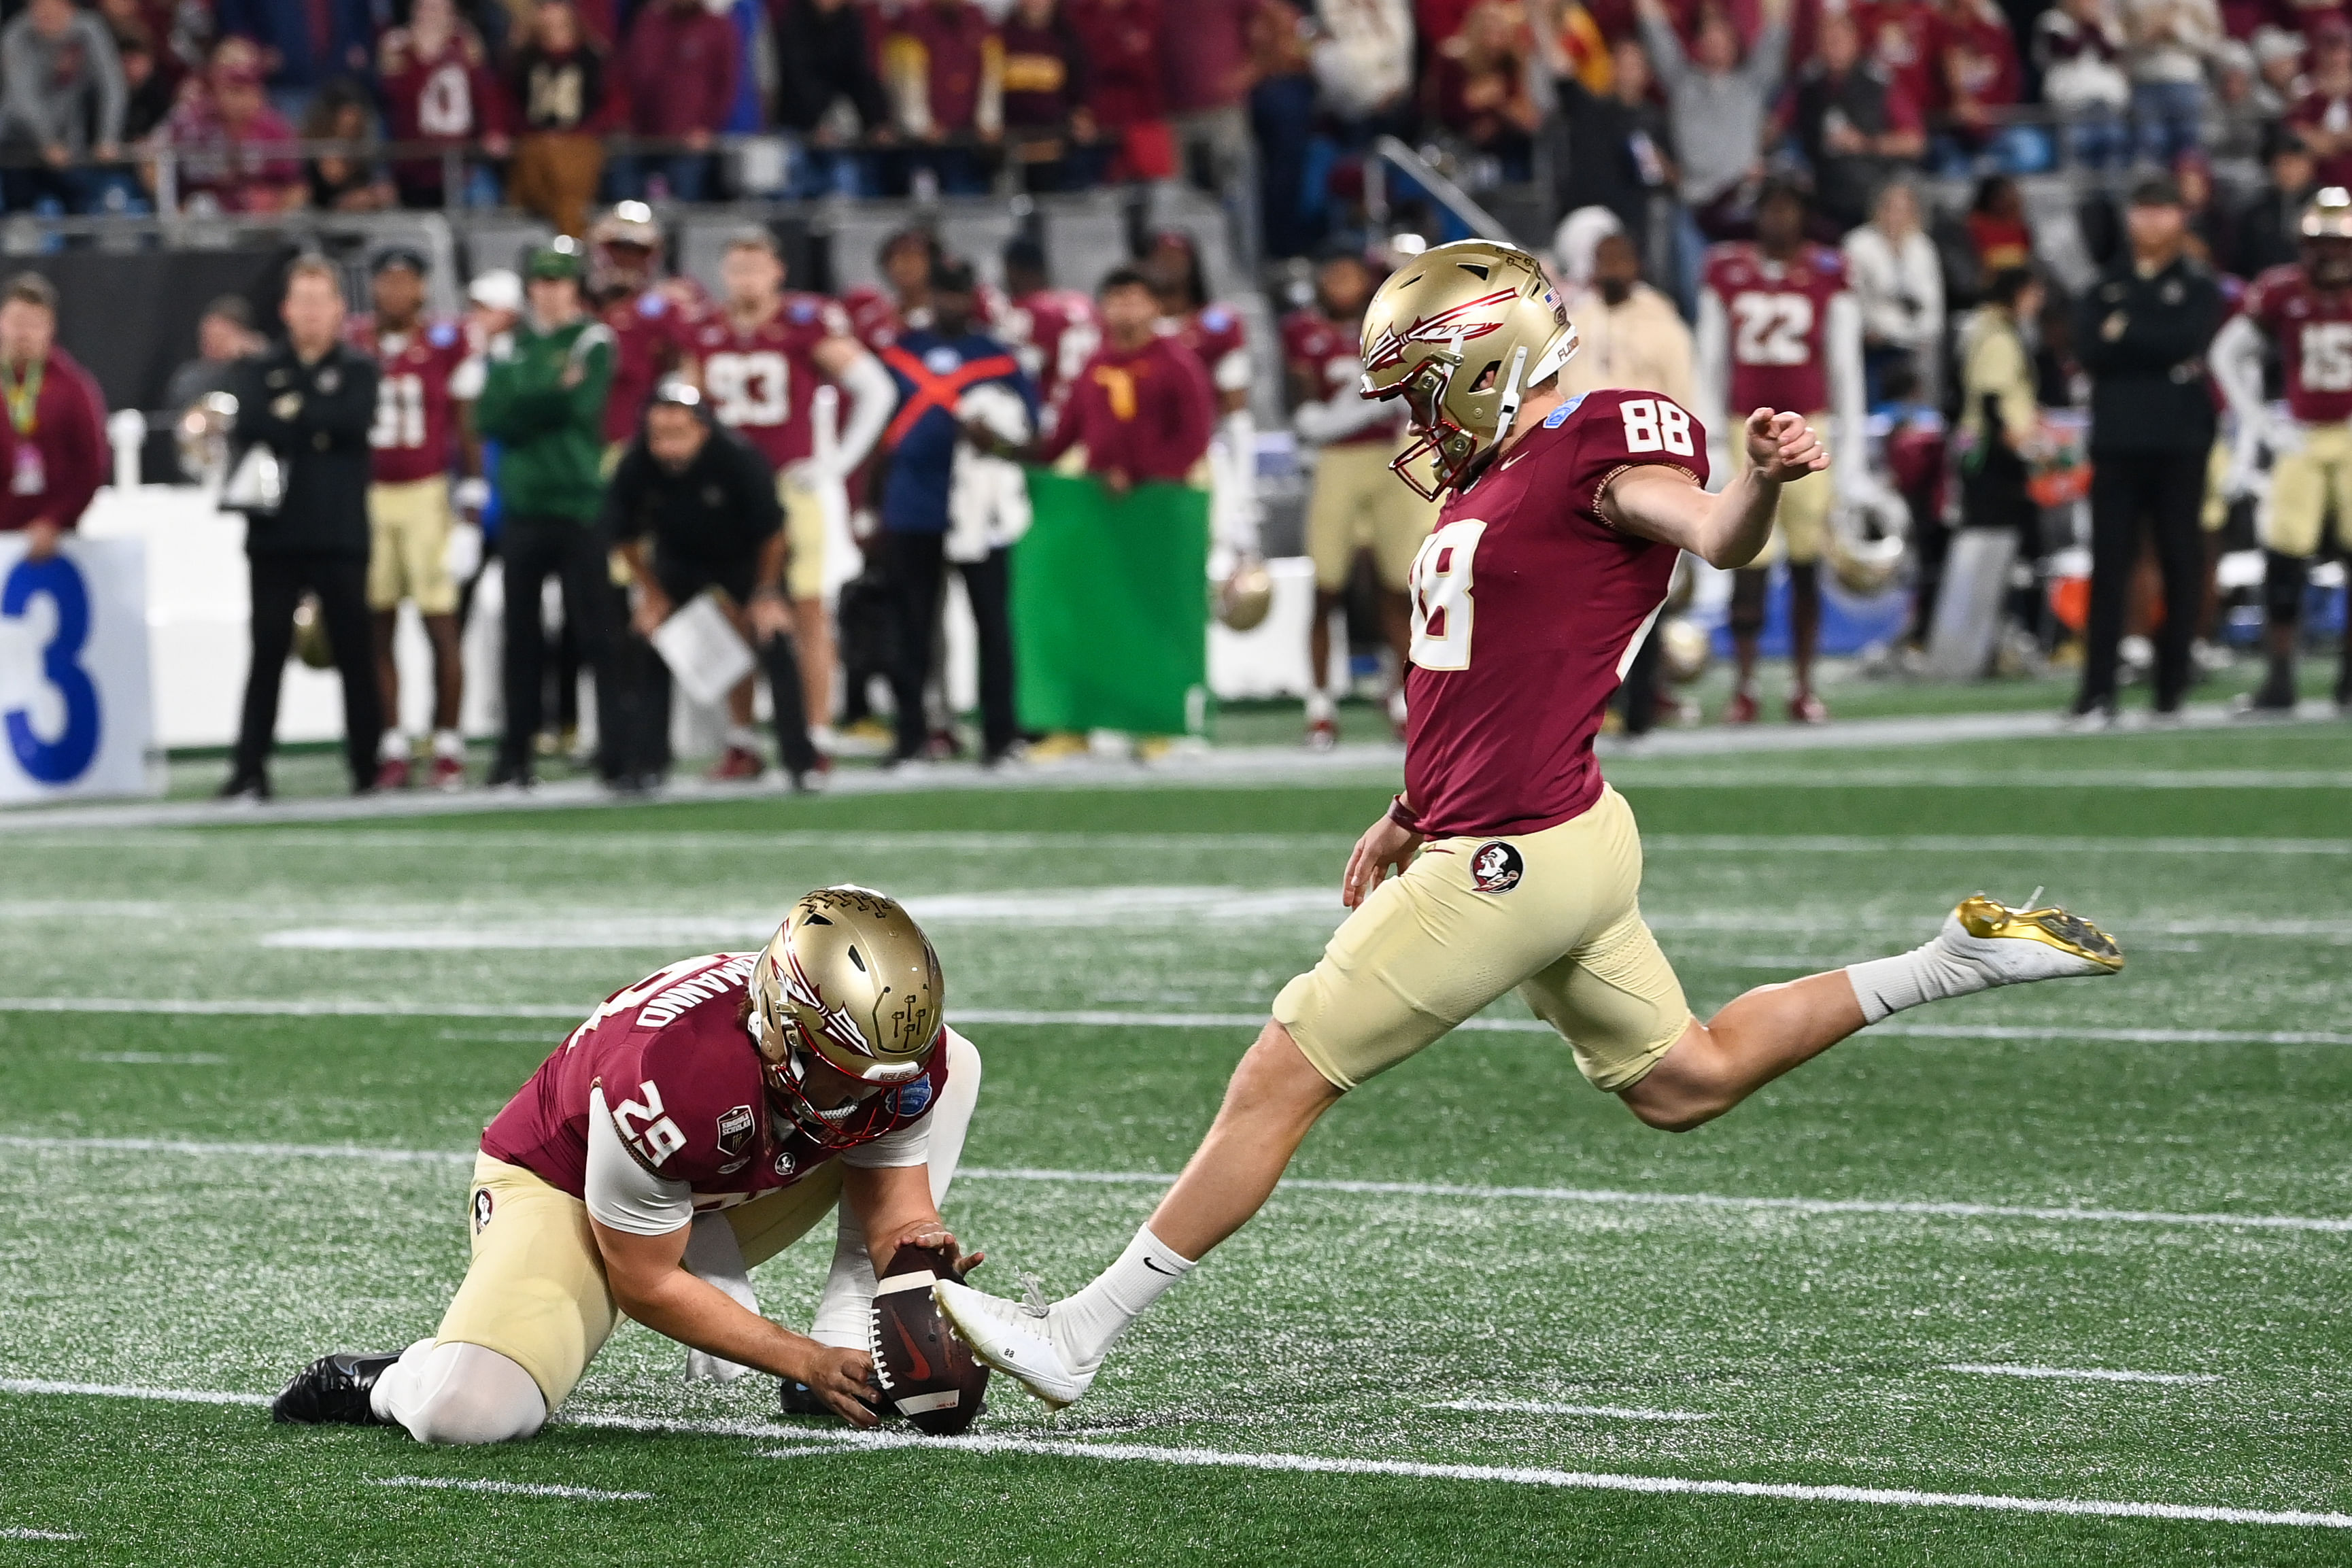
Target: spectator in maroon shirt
(943, 69)
(57, 420)
(1142, 408)
(679, 71)
(1206, 62)
(234, 150)
(2324, 114)
(1124, 91)
(1980, 67)
(1477, 84)
(1045, 116)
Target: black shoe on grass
(333, 1392)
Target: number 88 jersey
(1527, 610)
(1777, 314)
(2313, 330)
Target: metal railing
(1441, 189)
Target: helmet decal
(1446, 326)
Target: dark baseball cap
(2155, 191)
(558, 257)
(406, 256)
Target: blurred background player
(1778, 329)
(696, 1124)
(1214, 333)
(1515, 866)
(1052, 331)
(902, 302)
(2302, 313)
(706, 501)
(418, 429)
(760, 361)
(649, 314)
(1356, 507)
(939, 369)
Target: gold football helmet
(2327, 230)
(1461, 333)
(848, 980)
(1246, 597)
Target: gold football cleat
(2051, 926)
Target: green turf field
(1494, 1320)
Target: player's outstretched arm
(1729, 530)
(650, 1283)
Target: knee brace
(1747, 586)
(2283, 582)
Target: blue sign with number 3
(67, 757)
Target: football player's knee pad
(1747, 613)
(2284, 577)
(466, 1395)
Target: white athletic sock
(845, 1312)
(1320, 709)
(714, 1257)
(395, 1379)
(1098, 1315)
(448, 743)
(393, 748)
(1928, 972)
(744, 736)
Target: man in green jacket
(543, 401)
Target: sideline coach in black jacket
(312, 400)
(2142, 333)
(708, 500)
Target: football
(925, 1372)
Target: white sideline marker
(1315, 1464)
(1600, 1197)
(2080, 1374)
(155, 1058)
(508, 1489)
(24, 1532)
(1538, 1407)
(128, 1390)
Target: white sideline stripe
(128, 1390)
(2084, 1374)
(1538, 1407)
(1602, 1196)
(155, 1058)
(1306, 1463)
(1313, 1464)
(1090, 1018)
(25, 1532)
(509, 1488)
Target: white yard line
(1538, 1407)
(1443, 1190)
(24, 1532)
(2079, 1374)
(508, 1489)
(1091, 1018)
(154, 1058)
(1307, 1464)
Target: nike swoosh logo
(920, 1369)
(1157, 1269)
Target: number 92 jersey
(760, 382)
(1777, 314)
(1527, 609)
(2313, 330)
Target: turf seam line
(1594, 1481)
(1602, 1196)
(2081, 1373)
(1021, 1017)
(508, 1489)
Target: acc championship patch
(482, 1206)
(1495, 867)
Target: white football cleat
(2008, 947)
(1025, 1340)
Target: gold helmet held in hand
(1461, 333)
(848, 981)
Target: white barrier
(75, 720)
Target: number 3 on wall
(65, 759)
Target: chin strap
(1509, 408)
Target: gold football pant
(2305, 485)
(1801, 530)
(1358, 504)
(1554, 915)
(409, 546)
(804, 537)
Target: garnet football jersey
(1527, 608)
(416, 419)
(763, 381)
(1777, 318)
(650, 330)
(686, 1090)
(1215, 335)
(876, 320)
(1329, 358)
(449, 96)
(2313, 330)
(1052, 333)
